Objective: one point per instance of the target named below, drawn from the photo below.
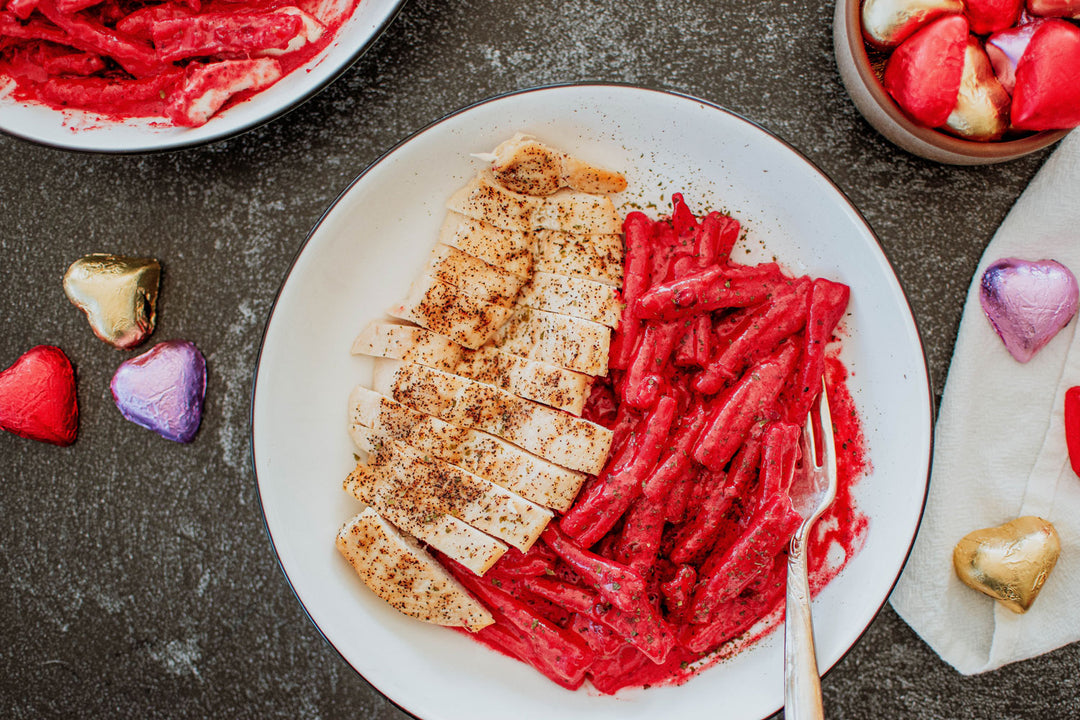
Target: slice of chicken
(510, 250)
(442, 531)
(398, 570)
(548, 384)
(577, 297)
(577, 212)
(573, 343)
(526, 165)
(484, 199)
(567, 210)
(447, 310)
(409, 343)
(552, 434)
(374, 419)
(481, 503)
(594, 256)
(543, 382)
(489, 457)
(390, 419)
(474, 276)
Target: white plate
(78, 130)
(364, 253)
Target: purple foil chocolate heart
(162, 389)
(1028, 302)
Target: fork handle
(802, 684)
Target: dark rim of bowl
(257, 123)
(971, 148)
(892, 268)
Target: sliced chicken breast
(532, 477)
(484, 199)
(449, 311)
(398, 570)
(543, 382)
(510, 250)
(526, 165)
(468, 497)
(494, 459)
(566, 210)
(369, 409)
(572, 343)
(577, 297)
(442, 531)
(375, 419)
(410, 343)
(595, 256)
(474, 276)
(577, 212)
(548, 384)
(552, 434)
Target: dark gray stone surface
(136, 580)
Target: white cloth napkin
(1000, 453)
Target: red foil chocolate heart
(924, 73)
(987, 16)
(1055, 8)
(1072, 427)
(37, 397)
(1047, 92)
(982, 105)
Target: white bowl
(89, 132)
(365, 251)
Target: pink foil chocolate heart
(162, 389)
(1028, 303)
(1005, 50)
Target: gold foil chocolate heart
(982, 106)
(118, 295)
(1009, 562)
(887, 23)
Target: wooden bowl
(885, 115)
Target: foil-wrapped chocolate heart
(1047, 92)
(118, 295)
(1055, 8)
(982, 105)
(162, 389)
(987, 16)
(37, 397)
(1010, 562)
(923, 75)
(1005, 49)
(887, 23)
(1028, 303)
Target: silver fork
(811, 495)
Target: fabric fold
(1000, 452)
